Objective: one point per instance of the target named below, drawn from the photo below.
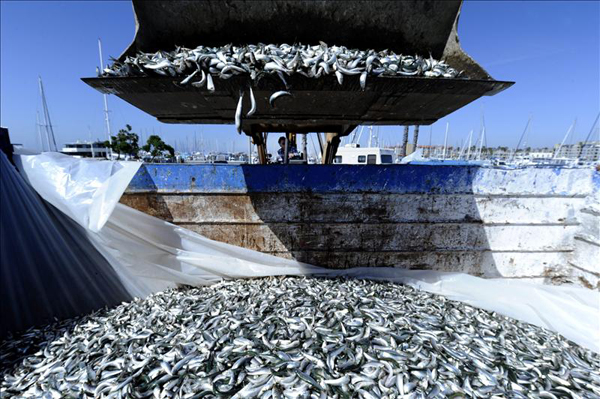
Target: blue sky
(551, 49)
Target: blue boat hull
(486, 222)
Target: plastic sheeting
(150, 255)
(84, 189)
(416, 155)
(49, 268)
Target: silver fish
(209, 82)
(238, 113)
(363, 80)
(282, 337)
(201, 82)
(184, 81)
(160, 65)
(339, 76)
(227, 61)
(276, 95)
(252, 103)
(256, 60)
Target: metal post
(260, 140)
(249, 150)
(314, 146)
(266, 137)
(304, 148)
(415, 137)
(331, 146)
(404, 141)
(321, 146)
(286, 159)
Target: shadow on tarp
(49, 268)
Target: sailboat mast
(521, 139)
(39, 130)
(106, 118)
(49, 129)
(446, 140)
(481, 142)
(469, 146)
(482, 135)
(587, 138)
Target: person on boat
(292, 150)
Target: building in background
(584, 151)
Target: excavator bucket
(405, 27)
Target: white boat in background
(86, 149)
(354, 154)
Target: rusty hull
(342, 216)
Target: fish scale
(296, 337)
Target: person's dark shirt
(291, 150)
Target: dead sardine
(276, 95)
(252, 103)
(238, 113)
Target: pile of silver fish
(296, 338)
(198, 66)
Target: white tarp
(416, 155)
(150, 254)
(84, 189)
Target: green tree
(125, 142)
(156, 146)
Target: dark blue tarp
(49, 269)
